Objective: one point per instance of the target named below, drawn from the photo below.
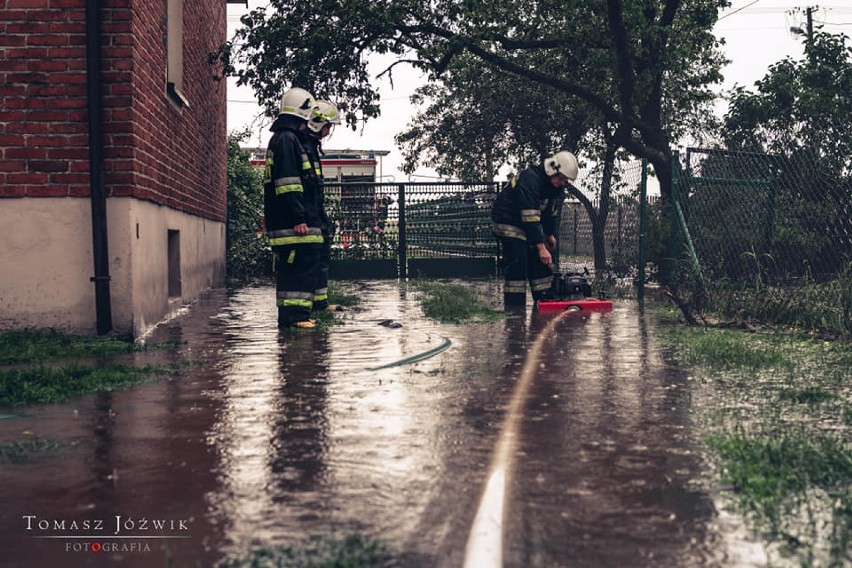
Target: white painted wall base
(46, 262)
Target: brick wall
(154, 149)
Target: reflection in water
(276, 437)
(244, 428)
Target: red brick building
(113, 161)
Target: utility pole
(808, 32)
(809, 15)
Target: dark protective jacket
(528, 207)
(290, 187)
(315, 152)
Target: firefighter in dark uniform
(290, 211)
(323, 120)
(525, 215)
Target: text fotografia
(121, 546)
(116, 527)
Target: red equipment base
(589, 304)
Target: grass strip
(40, 385)
(453, 303)
(354, 551)
(20, 451)
(28, 345)
(778, 418)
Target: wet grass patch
(23, 450)
(794, 485)
(807, 395)
(29, 345)
(336, 296)
(776, 410)
(354, 551)
(726, 349)
(454, 303)
(41, 385)
(38, 370)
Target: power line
(738, 10)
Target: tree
(800, 111)
(247, 251)
(799, 107)
(477, 118)
(637, 64)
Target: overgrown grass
(41, 385)
(811, 306)
(793, 484)
(777, 408)
(22, 450)
(354, 551)
(26, 345)
(453, 303)
(40, 372)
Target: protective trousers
(320, 298)
(521, 265)
(297, 270)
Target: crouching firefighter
(290, 211)
(525, 215)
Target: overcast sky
(756, 32)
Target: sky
(756, 34)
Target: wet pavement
(271, 438)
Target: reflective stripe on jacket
(289, 190)
(528, 207)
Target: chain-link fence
(753, 236)
(766, 237)
(600, 230)
(430, 228)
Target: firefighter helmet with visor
(324, 113)
(562, 163)
(298, 102)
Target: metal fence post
(576, 229)
(643, 211)
(403, 256)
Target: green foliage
(52, 379)
(248, 252)
(800, 106)
(26, 345)
(720, 349)
(354, 551)
(453, 303)
(800, 112)
(23, 450)
(636, 64)
(40, 385)
(771, 236)
(479, 118)
(776, 407)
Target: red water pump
(571, 291)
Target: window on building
(174, 46)
(174, 264)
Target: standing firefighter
(525, 215)
(323, 120)
(290, 209)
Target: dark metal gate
(401, 230)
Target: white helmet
(563, 163)
(298, 102)
(324, 113)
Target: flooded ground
(275, 437)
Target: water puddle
(272, 438)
